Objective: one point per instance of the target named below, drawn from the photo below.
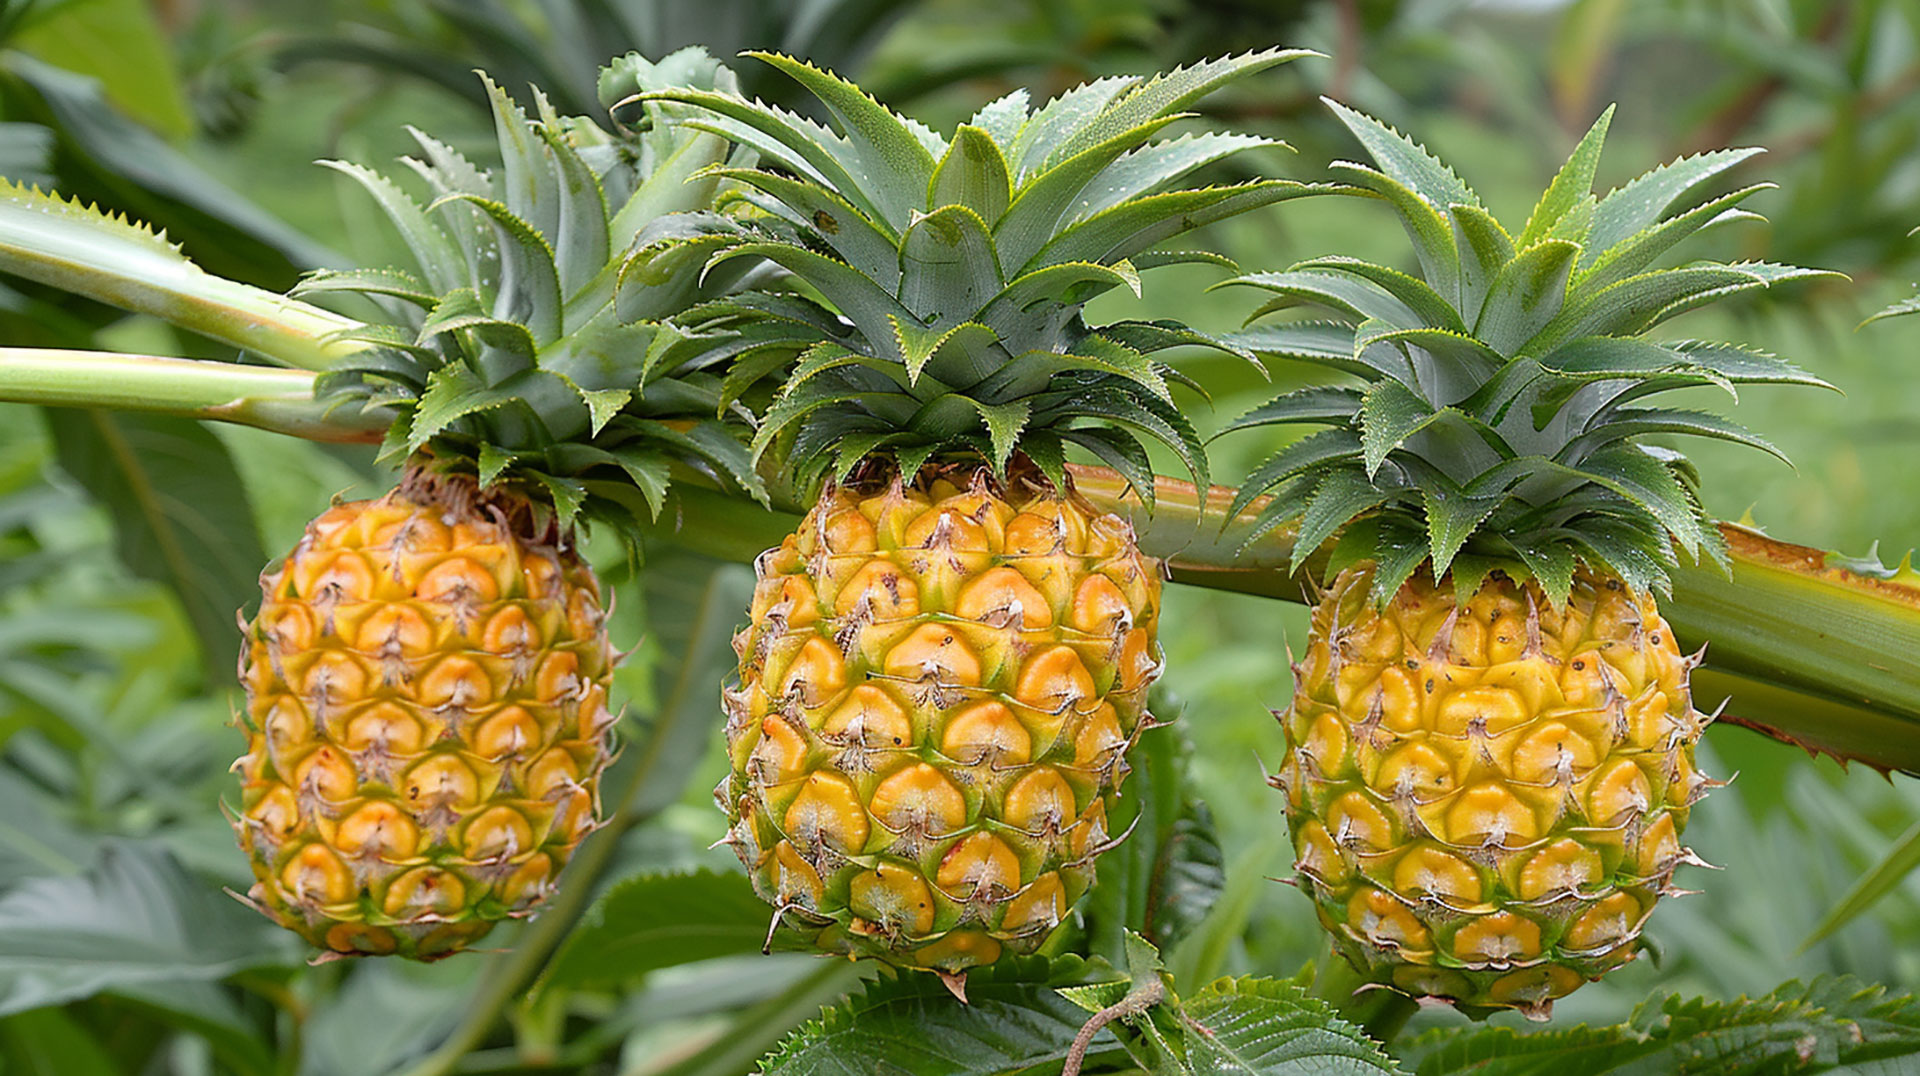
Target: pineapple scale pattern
(935, 696)
(1486, 799)
(427, 722)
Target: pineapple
(427, 677)
(945, 664)
(1490, 745)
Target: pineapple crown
(529, 344)
(953, 270)
(1498, 397)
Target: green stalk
(264, 397)
(81, 250)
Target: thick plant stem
(260, 396)
(82, 250)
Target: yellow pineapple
(426, 720)
(1521, 770)
(946, 663)
(427, 676)
(937, 688)
(1490, 744)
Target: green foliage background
(118, 956)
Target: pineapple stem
(264, 397)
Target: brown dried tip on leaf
(956, 984)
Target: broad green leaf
(1014, 1020)
(1268, 1027)
(1828, 1024)
(658, 921)
(134, 918)
(120, 43)
(181, 516)
(1885, 876)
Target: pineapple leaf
(883, 146)
(1015, 1021)
(1566, 209)
(1150, 166)
(1043, 199)
(1526, 295)
(846, 230)
(948, 267)
(1433, 241)
(1322, 343)
(1740, 364)
(1622, 424)
(440, 261)
(1646, 482)
(1349, 294)
(1635, 253)
(1315, 403)
(1040, 140)
(1132, 227)
(1066, 284)
(1484, 249)
(395, 283)
(1415, 294)
(1552, 564)
(1004, 423)
(855, 295)
(967, 342)
(973, 174)
(1452, 517)
(1341, 495)
(1313, 450)
(529, 190)
(529, 286)
(1643, 202)
(1172, 91)
(582, 244)
(1002, 118)
(1121, 451)
(1389, 414)
(1405, 160)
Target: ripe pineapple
(427, 676)
(946, 663)
(1490, 745)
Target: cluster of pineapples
(1490, 747)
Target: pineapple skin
(936, 692)
(1487, 800)
(426, 722)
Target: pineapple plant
(945, 664)
(1490, 747)
(427, 678)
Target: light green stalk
(79, 249)
(277, 400)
